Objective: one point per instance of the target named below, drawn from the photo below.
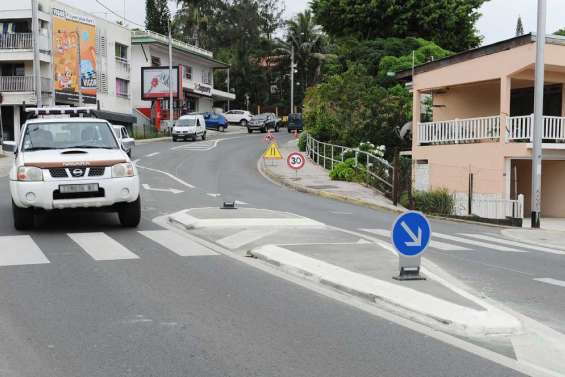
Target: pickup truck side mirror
(9, 146)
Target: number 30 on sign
(295, 160)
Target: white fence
(520, 128)
(16, 41)
(489, 206)
(459, 130)
(378, 171)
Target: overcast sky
(497, 23)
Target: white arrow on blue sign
(411, 234)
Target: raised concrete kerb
(405, 301)
(185, 220)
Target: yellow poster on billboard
(73, 34)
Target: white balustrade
(520, 128)
(16, 41)
(459, 130)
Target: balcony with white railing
(122, 67)
(22, 84)
(519, 129)
(16, 41)
(460, 131)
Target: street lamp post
(292, 77)
(538, 115)
(170, 77)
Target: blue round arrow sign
(411, 233)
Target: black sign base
(409, 274)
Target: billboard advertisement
(155, 82)
(74, 51)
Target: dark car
(295, 122)
(215, 121)
(263, 122)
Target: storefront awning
(220, 95)
(113, 117)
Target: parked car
(215, 121)
(263, 122)
(189, 127)
(295, 122)
(241, 117)
(127, 142)
(71, 163)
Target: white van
(189, 127)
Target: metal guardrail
(378, 172)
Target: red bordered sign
(295, 160)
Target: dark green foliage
(157, 16)
(449, 23)
(302, 142)
(437, 202)
(344, 171)
(560, 32)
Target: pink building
(481, 103)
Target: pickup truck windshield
(65, 135)
(186, 122)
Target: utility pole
(36, 63)
(79, 77)
(538, 115)
(228, 83)
(292, 77)
(170, 77)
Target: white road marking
(171, 190)
(183, 246)
(513, 243)
(435, 244)
(20, 250)
(152, 154)
(101, 247)
(213, 195)
(200, 146)
(359, 242)
(476, 243)
(168, 175)
(559, 283)
(239, 202)
(244, 237)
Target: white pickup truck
(71, 163)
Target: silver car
(127, 142)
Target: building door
(422, 176)
(7, 122)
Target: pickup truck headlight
(30, 174)
(123, 170)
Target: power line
(118, 15)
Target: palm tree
(191, 19)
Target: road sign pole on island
(411, 235)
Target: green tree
(519, 27)
(449, 23)
(560, 32)
(157, 16)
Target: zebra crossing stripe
(183, 246)
(244, 237)
(476, 243)
(513, 243)
(20, 250)
(101, 247)
(434, 244)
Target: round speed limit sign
(295, 160)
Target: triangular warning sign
(272, 152)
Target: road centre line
(167, 174)
(152, 154)
(559, 283)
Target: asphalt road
(164, 315)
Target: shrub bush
(302, 142)
(438, 202)
(344, 171)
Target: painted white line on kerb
(434, 244)
(101, 247)
(152, 154)
(477, 243)
(20, 250)
(168, 175)
(183, 246)
(513, 243)
(559, 283)
(244, 237)
(213, 195)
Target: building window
(188, 72)
(12, 69)
(206, 77)
(155, 61)
(121, 52)
(122, 88)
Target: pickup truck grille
(96, 172)
(58, 173)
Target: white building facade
(63, 34)
(197, 70)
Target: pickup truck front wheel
(23, 217)
(130, 213)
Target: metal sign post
(411, 235)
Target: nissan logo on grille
(77, 172)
